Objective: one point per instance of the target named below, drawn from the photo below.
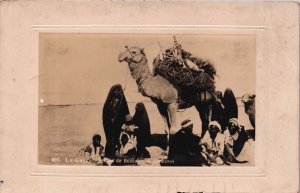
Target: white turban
(235, 121)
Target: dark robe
(237, 147)
(225, 108)
(143, 134)
(185, 149)
(240, 142)
(230, 105)
(114, 114)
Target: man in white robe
(213, 144)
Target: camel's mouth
(123, 57)
(121, 60)
(246, 99)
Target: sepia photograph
(146, 99)
(149, 96)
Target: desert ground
(65, 130)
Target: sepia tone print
(146, 100)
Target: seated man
(235, 139)
(213, 143)
(181, 57)
(94, 152)
(184, 147)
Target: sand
(65, 130)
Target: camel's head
(248, 98)
(132, 54)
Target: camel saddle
(185, 77)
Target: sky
(80, 68)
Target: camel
(249, 102)
(165, 95)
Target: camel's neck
(140, 71)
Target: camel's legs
(168, 113)
(164, 114)
(204, 107)
(172, 109)
(162, 108)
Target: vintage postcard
(142, 96)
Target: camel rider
(183, 57)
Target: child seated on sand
(94, 152)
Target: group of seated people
(186, 149)
(124, 144)
(129, 147)
(222, 148)
(216, 147)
